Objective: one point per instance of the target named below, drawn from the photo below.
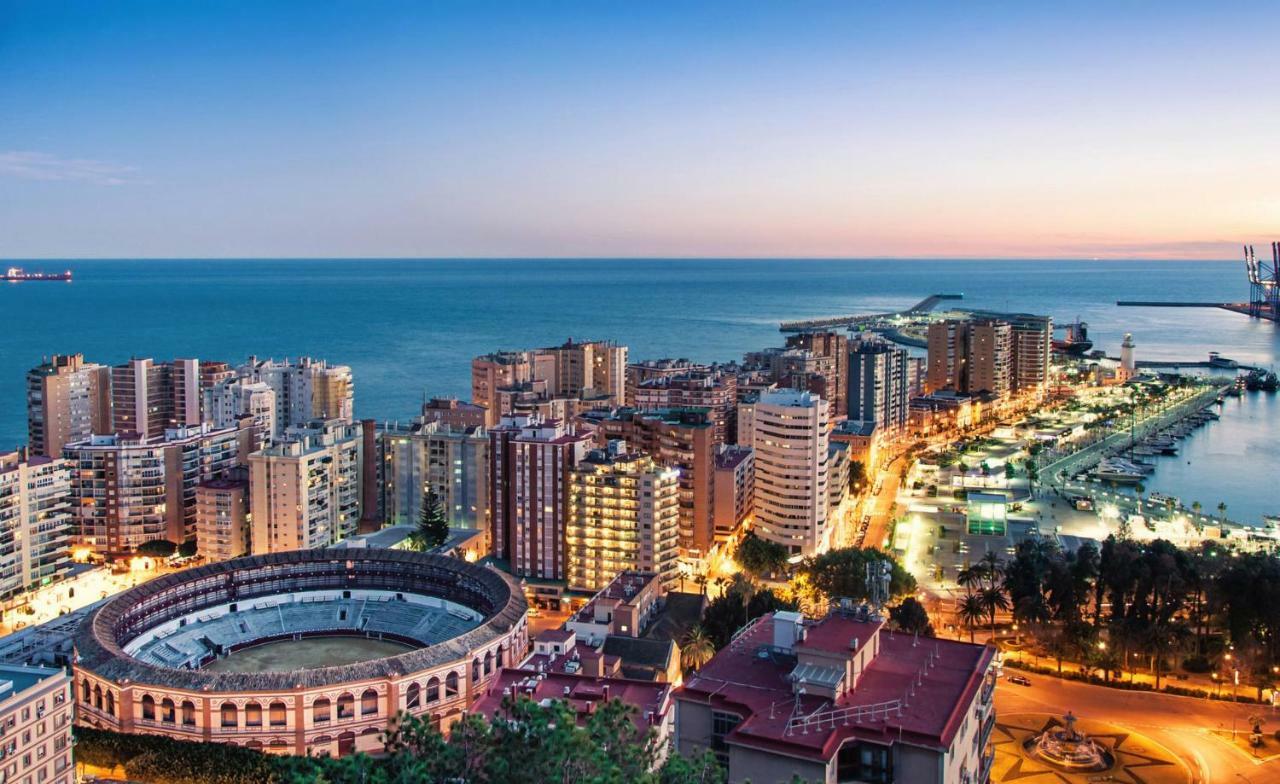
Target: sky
(626, 129)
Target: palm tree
(745, 587)
(1222, 511)
(1195, 508)
(972, 612)
(970, 576)
(993, 599)
(697, 649)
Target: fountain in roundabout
(1067, 749)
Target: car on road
(1019, 680)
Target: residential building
(623, 516)
(222, 519)
(843, 699)
(432, 454)
(682, 438)
(654, 369)
(734, 492)
(530, 461)
(305, 491)
(231, 400)
(127, 489)
(35, 521)
(833, 347)
(710, 389)
(970, 356)
(457, 414)
(305, 389)
(149, 397)
(589, 371)
(625, 607)
(878, 387)
(35, 725)
(68, 400)
(788, 431)
(1032, 338)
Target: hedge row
(1169, 688)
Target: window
(253, 715)
(229, 717)
(864, 762)
(188, 713)
(451, 685)
(721, 725)
(148, 707)
(167, 710)
(412, 696)
(433, 689)
(277, 716)
(369, 703)
(320, 710)
(346, 706)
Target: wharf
(1235, 307)
(920, 308)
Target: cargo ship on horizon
(16, 274)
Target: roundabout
(1038, 747)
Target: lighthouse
(1126, 355)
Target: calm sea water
(409, 328)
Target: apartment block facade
(305, 490)
(222, 519)
(68, 400)
(35, 725)
(878, 385)
(789, 432)
(35, 521)
(530, 461)
(623, 516)
(431, 454)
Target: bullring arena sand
(306, 654)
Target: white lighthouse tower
(1127, 367)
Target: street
(1183, 725)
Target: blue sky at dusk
(138, 129)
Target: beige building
(149, 397)
(735, 489)
(35, 725)
(68, 400)
(591, 371)
(982, 354)
(305, 491)
(788, 431)
(126, 489)
(35, 521)
(713, 390)
(623, 516)
(222, 519)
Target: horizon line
(1098, 259)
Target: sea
(408, 328)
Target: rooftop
(913, 689)
(582, 693)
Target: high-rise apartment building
(305, 389)
(833, 347)
(222, 519)
(594, 370)
(788, 431)
(710, 389)
(623, 516)
(735, 489)
(530, 460)
(305, 490)
(149, 397)
(878, 387)
(35, 521)
(229, 401)
(1032, 350)
(682, 438)
(127, 489)
(971, 356)
(430, 454)
(68, 400)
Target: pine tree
(433, 525)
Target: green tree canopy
(433, 523)
(843, 573)
(910, 616)
(759, 557)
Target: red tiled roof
(745, 679)
(650, 699)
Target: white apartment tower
(35, 521)
(305, 390)
(788, 431)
